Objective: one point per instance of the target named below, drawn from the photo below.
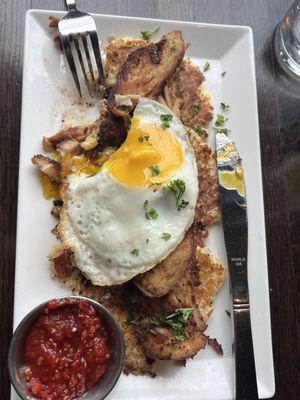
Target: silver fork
(75, 28)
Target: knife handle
(245, 374)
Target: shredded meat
(48, 167)
(116, 54)
(215, 345)
(163, 277)
(72, 134)
(155, 63)
(160, 342)
(107, 130)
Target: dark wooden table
(279, 115)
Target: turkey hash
(135, 193)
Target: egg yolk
(50, 189)
(80, 164)
(233, 180)
(150, 155)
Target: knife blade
(235, 226)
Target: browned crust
(215, 345)
(160, 343)
(197, 288)
(117, 52)
(155, 63)
(184, 96)
(211, 275)
(164, 276)
(208, 203)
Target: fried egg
(129, 216)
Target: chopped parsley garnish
(166, 119)
(177, 321)
(177, 187)
(196, 109)
(225, 107)
(182, 204)
(155, 170)
(146, 35)
(220, 121)
(222, 130)
(173, 47)
(166, 236)
(206, 66)
(142, 138)
(150, 214)
(223, 74)
(135, 252)
(197, 130)
(147, 240)
(228, 312)
(126, 46)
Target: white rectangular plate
(48, 93)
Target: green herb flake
(155, 170)
(182, 204)
(196, 109)
(166, 236)
(147, 240)
(185, 313)
(225, 107)
(149, 214)
(177, 187)
(173, 47)
(228, 312)
(137, 318)
(176, 322)
(153, 213)
(220, 121)
(206, 66)
(198, 130)
(127, 46)
(223, 74)
(143, 138)
(135, 252)
(166, 119)
(146, 35)
(222, 130)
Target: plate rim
(30, 13)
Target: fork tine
(65, 40)
(87, 53)
(96, 48)
(75, 39)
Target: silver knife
(235, 227)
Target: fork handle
(71, 5)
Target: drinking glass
(287, 41)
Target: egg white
(103, 220)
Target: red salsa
(66, 350)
